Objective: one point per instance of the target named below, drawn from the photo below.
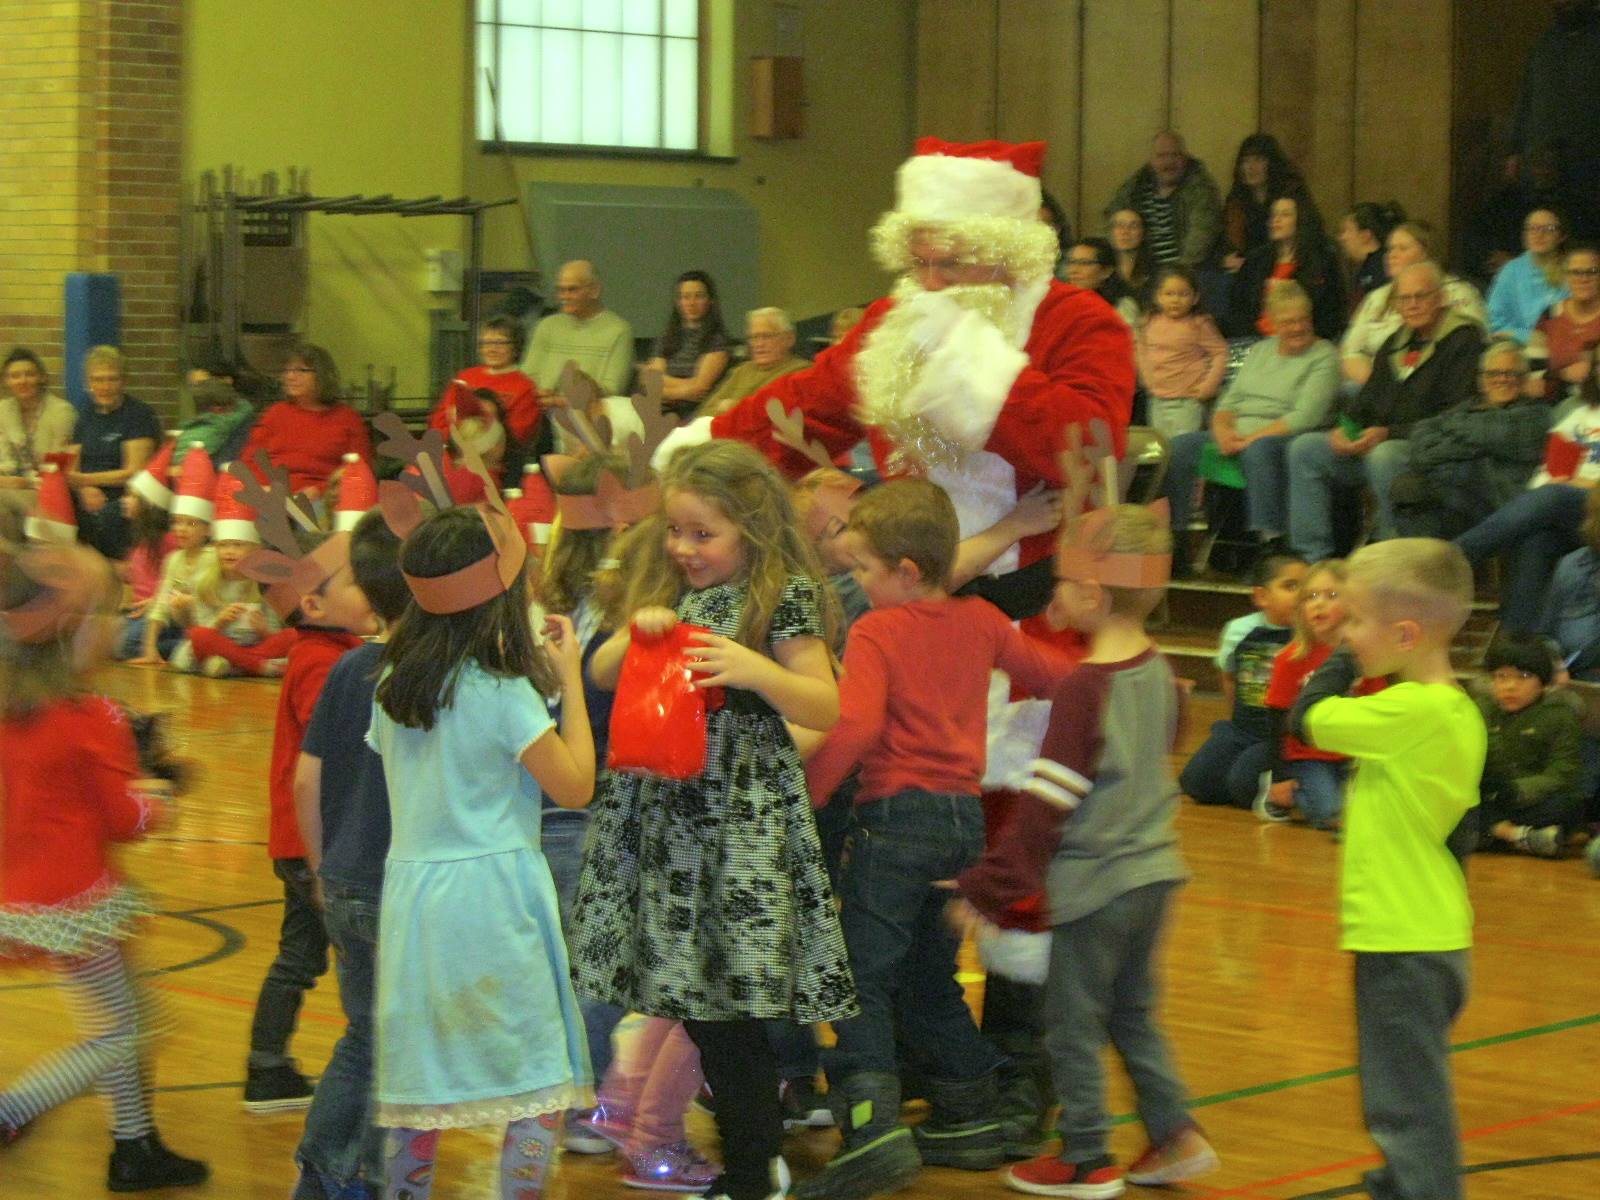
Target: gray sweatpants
(1405, 1005)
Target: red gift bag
(658, 721)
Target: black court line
(213, 908)
(1508, 1164)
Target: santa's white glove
(695, 433)
(935, 315)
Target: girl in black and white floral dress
(707, 899)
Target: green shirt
(1419, 752)
(602, 346)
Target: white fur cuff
(695, 433)
(964, 383)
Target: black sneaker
(141, 1163)
(276, 1089)
(803, 1106)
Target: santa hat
(358, 493)
(197, 483)
(983, 195)
(474, 422)
(152, 484)
(235, 520)
(535, 510)
(53, 518)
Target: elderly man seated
(1286, 386)
(770, 335)
(1427, 365)
(584, 332)
(1178, 199)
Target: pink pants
(655, 1078)
(247, 660)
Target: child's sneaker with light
(1048, 1175)
(1184, 1155)
(675, 1167)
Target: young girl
(69, 788)
(1181, 356)
(706, 899)
(229, 616)
(1302, 776)
(150, 530)
(174, 600)
(476, 1020)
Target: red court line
(322, 1018)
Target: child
(69, 789)
(1419, 749)
(1227, 768)
(1531, 793)
(913, 706)
(229, 616)
(1302, 776)
(1108, 872)
(152, 541)
(333, 616)
(1181, 356)
(468, 747)
(706, 899)
(192, 509)
(822, 502)
(342, 807)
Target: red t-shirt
(310, 660)
(913, 700)
(65, 771)
(1290, 670)
(519, 401)
(309, 445)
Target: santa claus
(971, 371)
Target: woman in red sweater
(310, 430)
(70, 786)
(499, 352)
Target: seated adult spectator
(1472, 458)
(1571, 613)
(1539, 526)
(1378, 316)
(1178, 199)
(223, 412)
(1286, 386)
(1092, 266)
(1296, 249)
(584, 332)
(499, 351)
(311, 429)
(1565, 336)
(1426, 366)
(1363, 234)
(1135, 263)
(770, 335)
(1530, 283)
(1493, 236)
(34, 422)
(1261, 173)
(115, 438)
(693, 352)
(1053, 215)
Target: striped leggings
(110, 1009)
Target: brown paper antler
(287, 573)
(425, 453)
(789, 429)
(581, 394)
(1095, 484)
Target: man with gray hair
(1178, 199)
(769, 333)
(584, 332)
(1424, 367)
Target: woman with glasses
(1566, 334)
(311, 429)
(1530, 283)
(1092, 265)
(499, 352)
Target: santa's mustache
(992, 301)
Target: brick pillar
(90, 173)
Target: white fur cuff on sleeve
(695, 433)
(965, 382)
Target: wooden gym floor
(1257, 1005)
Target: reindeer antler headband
(1096, 481)
(833, 498)
(287, 572)
(616, 502)
(74, 581)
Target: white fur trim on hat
(233, 529)
(151, 490)
(941, 187)
(43, 529)
(193, 506)
(695, 433)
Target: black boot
(141, 1163)
(878, 1154)
(963, 1130)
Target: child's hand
(1282, 793)
(561, 645)
(229, 614)
(138, 608)
(258, 620)
(1037, 512)
(963, 918)
(653, 622)
(723, 662)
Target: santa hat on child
(535, 507)
(53, 518)
(197, 483)
(474, 422)
(983, 196)
(358, 493)
(235, 520)
(153, 483)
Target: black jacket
(1447, 371)
(1319, 277)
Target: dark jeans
(902, 952)
(1498, 802)
(340, 1138)
(1266, 474)
(739, 1065)
(1227, 768)
(1013, 1022)
(106, 529)
(562, 836)
(1405, 1005)
(1532, 532)
(302, 960)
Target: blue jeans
(1227, 768)
(1265, 466)
(902, 953)
(168, 640)
(562, 835)
(1533, 530)
(1319, 789)
(340, 1138)
(302, 959)
(1315, 470)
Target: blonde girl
(231, 631)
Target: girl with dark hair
(1363, 236)
(1181, 356)
(1297, 249)
(693, 352)
(1092, 266)
(1261, 173)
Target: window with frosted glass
(608, 73)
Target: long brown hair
(566, 574)
(428, 650)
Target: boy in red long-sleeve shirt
(913, 704)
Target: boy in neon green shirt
(1419, 749)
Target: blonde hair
(804, 492)
(1300, 645)
(208, 582)
(567, 571)
(746, 489)
(1416, 579)
(103, 356)
(910, 519)
(1286, 293)
(1137, 530)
